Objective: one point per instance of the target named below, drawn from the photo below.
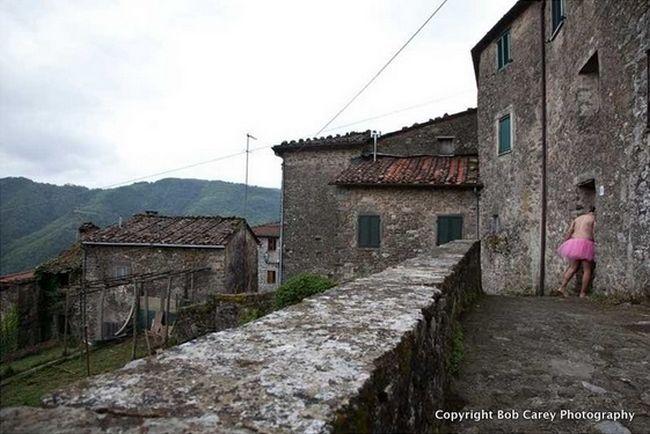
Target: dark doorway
(586, 196)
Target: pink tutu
(577, 249)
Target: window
(505, 135)
(272, 244)
(503, 50)
(557, 14)
(270, 276)
(368, 228)
(120, 271)
(450, 227)
(495, 224)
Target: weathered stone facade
(268, 254)
(379, 363)
(319, 219)
(19, 312)
(229, 268)
(597, 143)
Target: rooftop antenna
(248, 137)
(375, 134)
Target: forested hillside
(38, 220)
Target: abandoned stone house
(19, 314)
(345, 214)
(223, 248)
(563, 125)
(268, 255)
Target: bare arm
(570, 231)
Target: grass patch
(28, 390)
(7, 369)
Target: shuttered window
(369, 231)
(503, 50)
(557, 13)
(505, 134)
(270, 276)
(450, 227)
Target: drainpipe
(476, 193)
(542, 244)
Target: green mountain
(37, 221)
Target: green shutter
(449, 228)
(506, 47)
(500, 53)
(505, 135)
(369, 231)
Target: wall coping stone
(293, 370)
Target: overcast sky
(99, 92)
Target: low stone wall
(220, 312)
(368, 356)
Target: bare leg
(568, 274)
(586, 277)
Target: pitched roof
(414, 171)
(268, 230)
(496, 30)
(158, 230)
(354, 139)
(67, 261)
(21, 277)
(350, 139)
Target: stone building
(20, 324)
(268, 254)
(345, 214)
(563, 124)
(150, 243)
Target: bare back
(583, 226)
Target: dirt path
(550, 354)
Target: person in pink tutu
(577, 248)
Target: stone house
(19, 311)
(149, 243)
(345, 214)
(563, 124)
(268, 269)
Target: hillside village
(412, 226)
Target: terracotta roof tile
(268, 230)
(176, 230)
(23, 276)
(420, 170)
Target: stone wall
(409, 219)
(241, 263)
(220, 312)
(369, 355)
(316, 237)
(597, 131)
(19, 308)
(268, 260)
(427, 138)
(114, 304)
(510, 199)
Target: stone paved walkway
(548, 354)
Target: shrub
(299, 287)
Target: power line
(422, 104)
(374, 77)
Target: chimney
(150, 212)
(86, 229)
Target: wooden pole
(65, 323)
(192, 287)
(169, 293)
(85, 335)
(136, 301)
(146, 315)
